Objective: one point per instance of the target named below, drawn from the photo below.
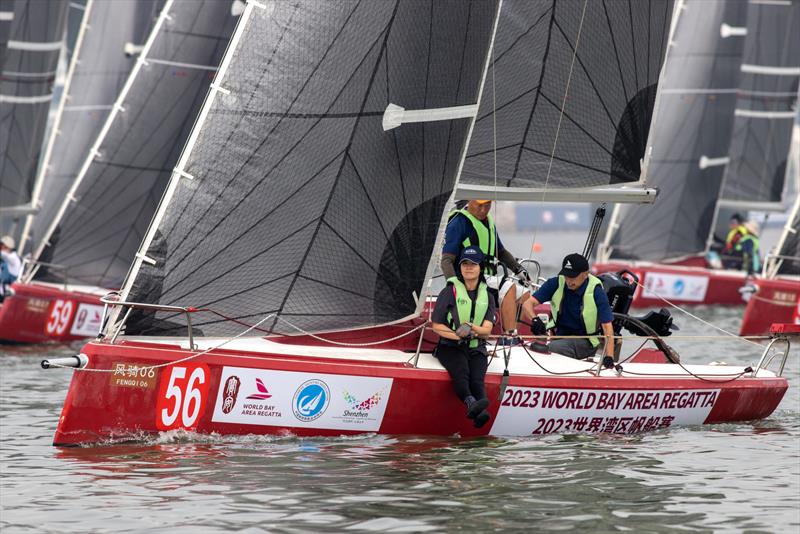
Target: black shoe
(482, 418)
(475, 407)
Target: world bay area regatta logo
(311, 400)
(259, 409)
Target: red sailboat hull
(776, 300)
(38, 313)
(238, 391)
(684, 284)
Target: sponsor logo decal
(232, 385)
(292, 399)
(688, 288)
(678, 286)
(263, 392)
(311, 400)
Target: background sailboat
(32, 36)
(100, 221)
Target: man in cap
(10, 263)
(473, 226)
(463, 317)
(578, 307)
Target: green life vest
(466, 307)
(487, 238)
(588, 307)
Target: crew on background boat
(463, 318)
(741, 250)
(472, 225)
(579, 307)
(749, 247)
(10, 263)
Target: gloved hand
(523, 276)
(608, 362)
(464, 331)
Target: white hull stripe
(774, 71)
(35, 47)
(13, 99)
(706, 162)
(395, 115)
(764, 114)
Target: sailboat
(292, 249)
(776, 294)
(741, 165)
(123, 146)
(31, 42)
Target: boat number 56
(181, 396)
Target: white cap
(8, 241)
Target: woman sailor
(463, 318)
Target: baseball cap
(483, 201)
(8, 241)
(471, 254)
(573, 265)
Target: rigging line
(508, 103)
(561, 115)
(343, 344)
(181, 360)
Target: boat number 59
(182, 396)
(60, 315)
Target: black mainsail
(32, 37)
(691, 137)
(102, 59)
(314, 184)
(568, 99)
(290, 197)
(101, 222)
(765, 107)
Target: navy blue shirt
(458, 229)
(570, 323)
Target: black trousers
(467, 368)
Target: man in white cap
(10, 263)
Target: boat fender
(78, 362)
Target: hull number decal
(526, 411)
(309, 400)
(182, 396)
(59, 318)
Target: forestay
(105, 215)
(102, 59)
(31, 33)
(765, 106)
(599, 62)
(290, 198)
(691, 136)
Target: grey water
(718, 478)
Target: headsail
(786, 258)
(765, 107)
(691, 137)
(98, 69)
(290, 197)
(101, 222)
(600, 62)
(32, 40)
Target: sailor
(731, 255)
(748, 246)
(463, 317)
(578, 307)
(472, 225)
(10, 263)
